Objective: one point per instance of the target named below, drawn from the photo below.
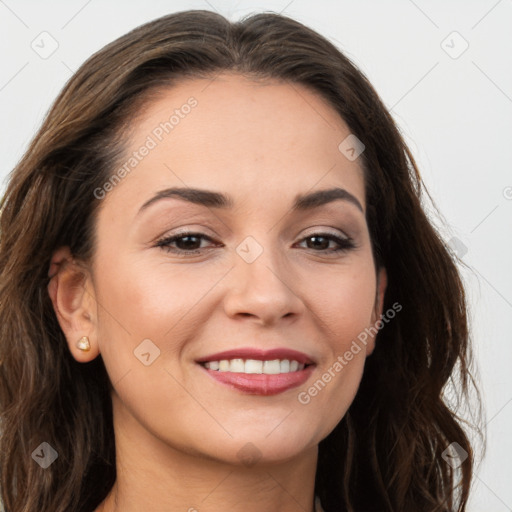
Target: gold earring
(83, 344)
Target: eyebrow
(213, 199)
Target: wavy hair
(386, 452)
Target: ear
(72, 295)
(382, 282)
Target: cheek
(343, 312)
(145, 318)
(149, 298)
(344, 305)
(142, 300)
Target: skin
(178, 431)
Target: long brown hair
(386, 452)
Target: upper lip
(259, 355)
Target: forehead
(251, 139)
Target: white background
(456, 114)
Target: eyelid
(184, 230)
(327, 231)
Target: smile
(259, 372)
(273, 367)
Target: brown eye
(189, 243)
(184, 243)
(320, 242)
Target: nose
(264, 290)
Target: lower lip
(260, 383)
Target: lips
(259, 355)
(258, 383)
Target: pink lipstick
(259, 372)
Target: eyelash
(346, 244)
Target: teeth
(213, 365)
(236, 365)
(272, 367)
(254, 366)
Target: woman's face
(262, 275)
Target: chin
(255, 450)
